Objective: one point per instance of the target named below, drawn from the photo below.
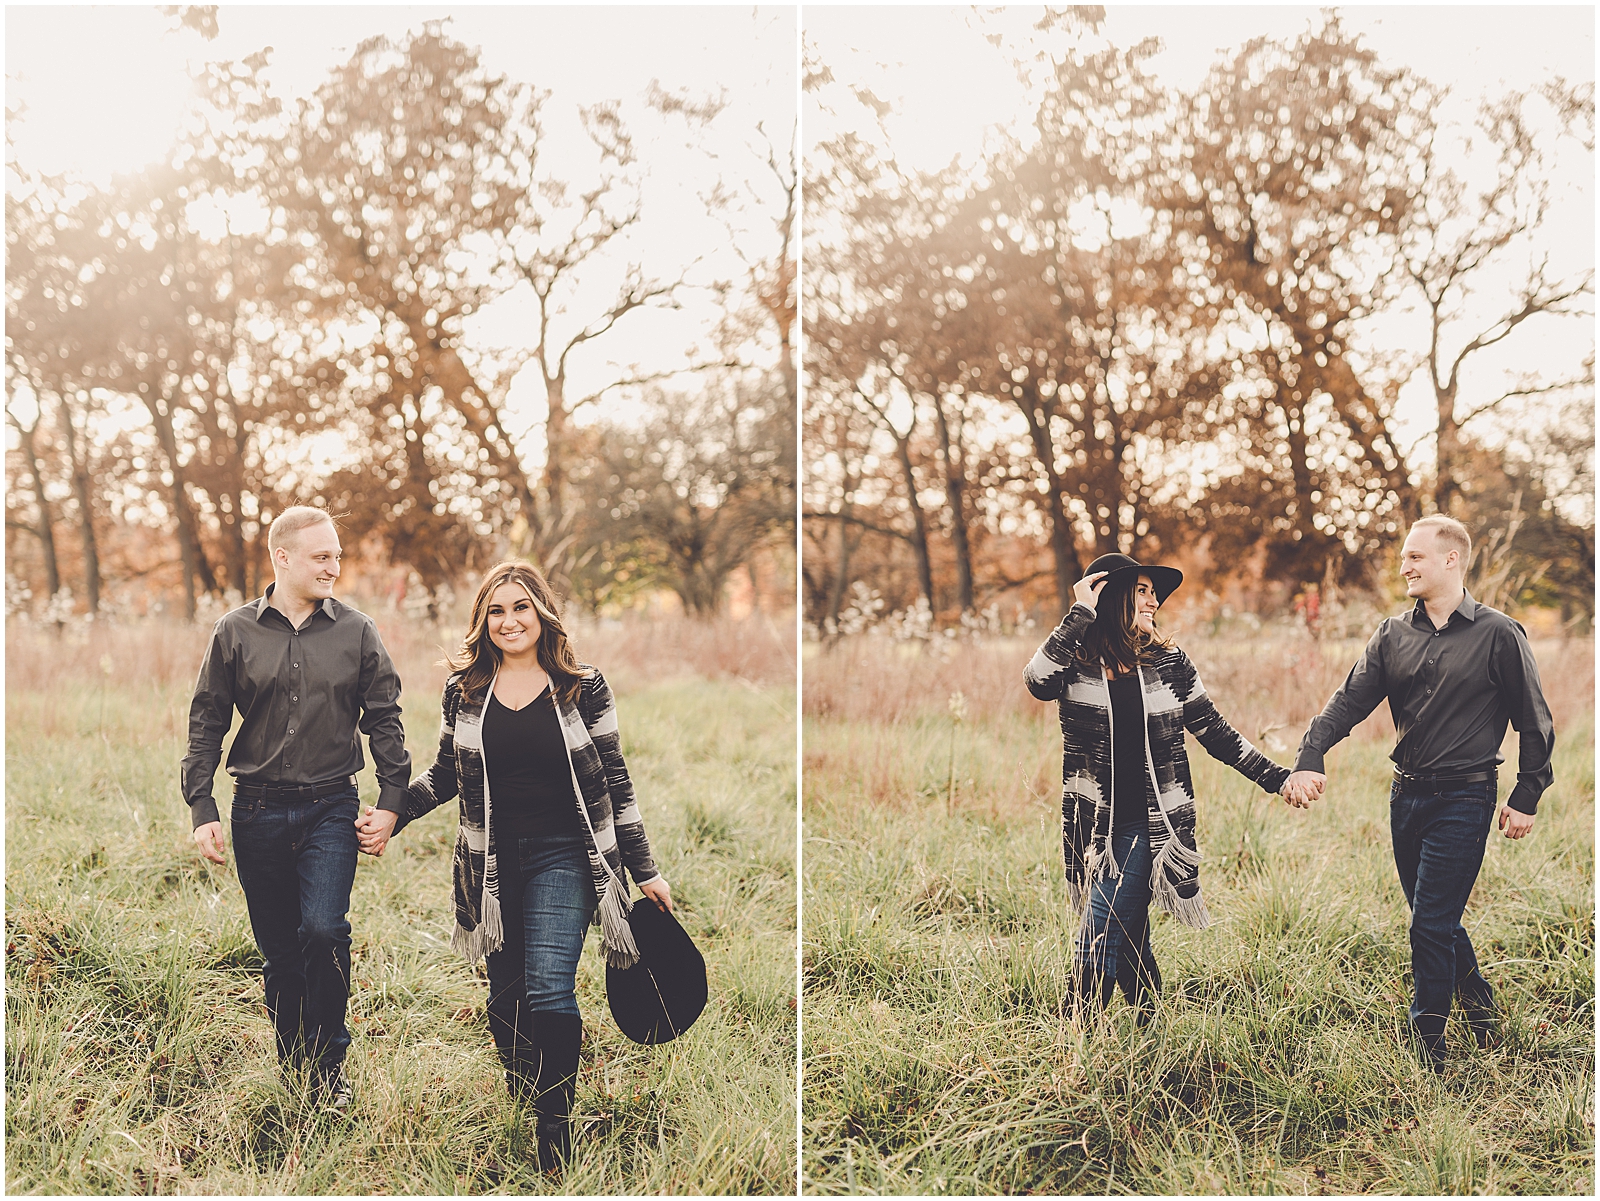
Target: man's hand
(373, 829)
(209, 839)
(658, 892)
(1086, 591)
(1514, 823)
(1303, 787)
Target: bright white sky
(106, 87)
(953, 92)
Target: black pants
(296, 863)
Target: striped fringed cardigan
(1174, 701)
(612, 828)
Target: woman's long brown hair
(1113, 638)
(479, 658)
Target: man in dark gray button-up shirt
(307, 675)
(1454, 672)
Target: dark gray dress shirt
(1451, 692)
(301, 694)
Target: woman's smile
(512, 621)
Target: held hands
(1087, 591)
(373, 829)
(658, 891)
(209, 839)
(1514, 823)
(1303, 787)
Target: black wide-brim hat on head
(659, 997)
(1121, 567)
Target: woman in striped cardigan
(1127, 800)
(549, 826)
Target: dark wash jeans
(1114, 942)
(546, 903)
(296, 863)
(1439, 840)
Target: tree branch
(866, 525)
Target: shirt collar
(263, 603)
(1468, 608)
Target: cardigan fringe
(1191, 911)
(615, 932)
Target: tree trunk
(195, 568)
(1062, 544)
(1447, 450)
(549, 524)
(81, 490)
(841, 579)
(919, 522)
(1299, 469)
(955, 500)
(45, 530)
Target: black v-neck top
(1129, 808)
(530, 776)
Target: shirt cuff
(1310, 759)
(203, 812)
(1524, 800)
(391, 798)
(652, 880)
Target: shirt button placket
(294, 697)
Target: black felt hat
(659, 997)
(1165, 579)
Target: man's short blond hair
(291, 521)
(1450, 534)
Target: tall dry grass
(138, 1057)
(634, 651)
(937, 939)
(1273, 682)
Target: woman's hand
(658, 891)
(1086, 591)
(373, 829)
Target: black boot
(511, 1027)
(1139, 977)
(1478, 1008)
(1141, 985)
(1428, 1030)
(556, 1037)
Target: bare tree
(1455, 234)
(43, 522)
(702, 484)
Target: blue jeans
(546, 903)
(1439, 840)
(1114, 942)
(296, 862)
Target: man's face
(1429, 568)
(308, 563)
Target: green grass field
(138, 1054)
(937, 940)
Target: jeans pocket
(244, 810)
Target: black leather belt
(1444, 780)
(292, 792)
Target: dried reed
(1262, 684)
